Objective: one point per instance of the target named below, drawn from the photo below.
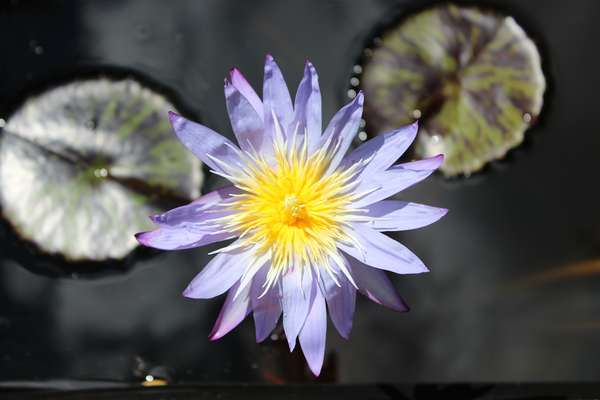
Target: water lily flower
(308, 220)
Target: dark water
(486, 312)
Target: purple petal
(381, 252)
(401, 215)
(307, 109)
(276, 98)
(340, 299)
(218, 195)
(205, 142)
(342, 129)
(297, 285)
(220, 274)
(385, 184)
(428, 164)
(197, 211)
(375, 284)
(233, 312)
(267, 309)
(313, 334)
(240, 83)
(178, 239)
(211, 227)
(246, 123)
(189, 217)
(385, 149)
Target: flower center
(290, 210)
(291, 213)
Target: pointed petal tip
(412, 130)
(403, 307)
(144, 238)
(439, 158)
(140, 238)
(316, 369)
(218, 331)
(360, 97)
(234, 74)
(398, 306)
(292, 344)
(431, 163)
(215, 334)
(175, 119)
(270, 64)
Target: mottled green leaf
(82, 165)
(471, 75)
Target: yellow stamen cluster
(291, 213)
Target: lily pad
(82, 164)
(471, 75)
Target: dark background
(513, 289)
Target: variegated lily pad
(81, 166)
(471, 75)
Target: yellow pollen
(290, 210)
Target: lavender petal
(401, 215)
(379, 251)
(267, 309)
(240, 83)
(342, 129)
(219, 275)
(307, 110)
(340, 299)
(384, 149)
(205, 142)
(380, 186)
(297, 285)
(375, 284)
(178, 239)
(313, 334)
(233, 311)
(247, 126)
(430, 164)
(218, 195)
(276, 98)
